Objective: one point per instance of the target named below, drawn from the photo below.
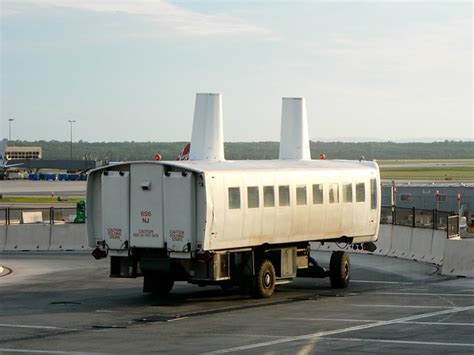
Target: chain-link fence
(418, 218)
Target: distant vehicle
(209, 221)
(14, 175)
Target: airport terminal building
(23, 153)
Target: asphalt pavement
(66, 303)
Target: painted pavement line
(32, 326)
(383, 282)
(398, 306)
(334, 320)
(450, 324)
(341, 330)
(377, 320)
(411, 342)
(425, 294)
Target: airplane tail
(184, 155)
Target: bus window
(268, 196)
(373, 194)
(234, 198)
(301, 195)
(346, 192)
(252, 197)
(360, 192)
(334, 193)
(284, 195)
(317, 194)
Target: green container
(80, 212)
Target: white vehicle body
(153, 203)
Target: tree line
(123, 151)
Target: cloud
(416, 48)
(176, 19)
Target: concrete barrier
(384, 242)
(396, 241)
(28, 237)
(438, 246)
(3, 237)
(68, 237)
(459, 258)
(401, 241)
(421, 242)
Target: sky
(128, 70)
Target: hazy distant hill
(258, 150)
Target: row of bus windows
(253, 196)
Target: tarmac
(42, 188)
(60, 303)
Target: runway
(65, 302)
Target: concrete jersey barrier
(28, 237)
(456, 256)
(401, 242)
(43, 237)
(3, 237)
(459, 258)
(68, 237)
(384, 243)
(409, 243)
(421, 242)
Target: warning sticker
(114, 233)
(176, 235)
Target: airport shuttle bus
(243, 223)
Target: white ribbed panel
(207, 140)
(294, 141)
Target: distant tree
(256, 150)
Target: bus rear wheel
(159, 284)
(264, 279)
(339, 269)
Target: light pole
(10, 120)
(71, 122)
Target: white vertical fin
(207, 141)
(294, 141)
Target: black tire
(339, 269)
(159, 284)
(265, 277)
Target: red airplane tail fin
(184, 155)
